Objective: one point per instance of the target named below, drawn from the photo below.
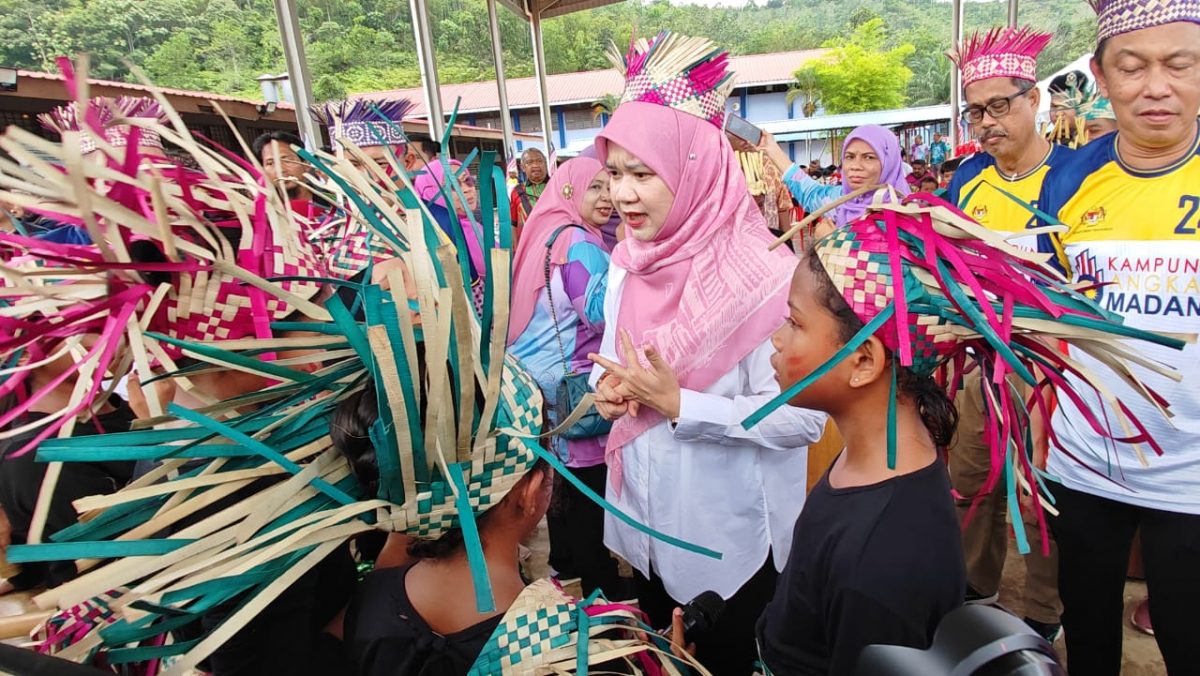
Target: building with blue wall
(760, 95)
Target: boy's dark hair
(936, 410)
(276, 135)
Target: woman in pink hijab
(694, 295)
(565, 225)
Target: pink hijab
(559, 204)
(428, 185)
(707, 291)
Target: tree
(807, 87)
(605, 105)
(930, 84)
(363, 45)
(859, 74)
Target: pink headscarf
(428, 185)
(429, 182)
(557, 206)
(707, 291)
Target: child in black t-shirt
(877, 554)
(885, 315)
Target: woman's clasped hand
(625, 389)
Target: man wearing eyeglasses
(1001, 94)
(1131, 204)
(999, 86)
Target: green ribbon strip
(859, 338)
(94, 549)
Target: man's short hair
(265, 139)
(532, 151)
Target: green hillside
(364, 45)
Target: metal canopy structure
(533, 11)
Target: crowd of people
(302, 411)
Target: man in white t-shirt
(1131, 205)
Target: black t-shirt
(870, 564)
(21, 481)
(385, 636)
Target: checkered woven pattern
(540, 620)
(688, 74)
(118, 137)
(1000, 65)
(1125, 16)
(207, 306)
(351, 250)
(1001, 52)
(492, 472)
(540, 634)
(856, 259)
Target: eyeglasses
(997, 108)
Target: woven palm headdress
(947, 297)
(178, 541)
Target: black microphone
(701, 614)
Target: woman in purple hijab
(870, 156)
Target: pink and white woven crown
(1125, 16)
(111, 115)
(685, 73)
(1000, 52)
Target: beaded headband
(365, 122)
(108, 117)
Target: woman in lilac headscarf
(870, 156)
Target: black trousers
(1094, 535)
(729, 648)
(576, 526)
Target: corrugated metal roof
(753, 70)
(798, 129)
(143, 90)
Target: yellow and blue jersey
(1136, 233)
(978, 189)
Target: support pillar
(428, 65)
(506, 127)
(956, 37)
(297, 68)
(539, 69)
